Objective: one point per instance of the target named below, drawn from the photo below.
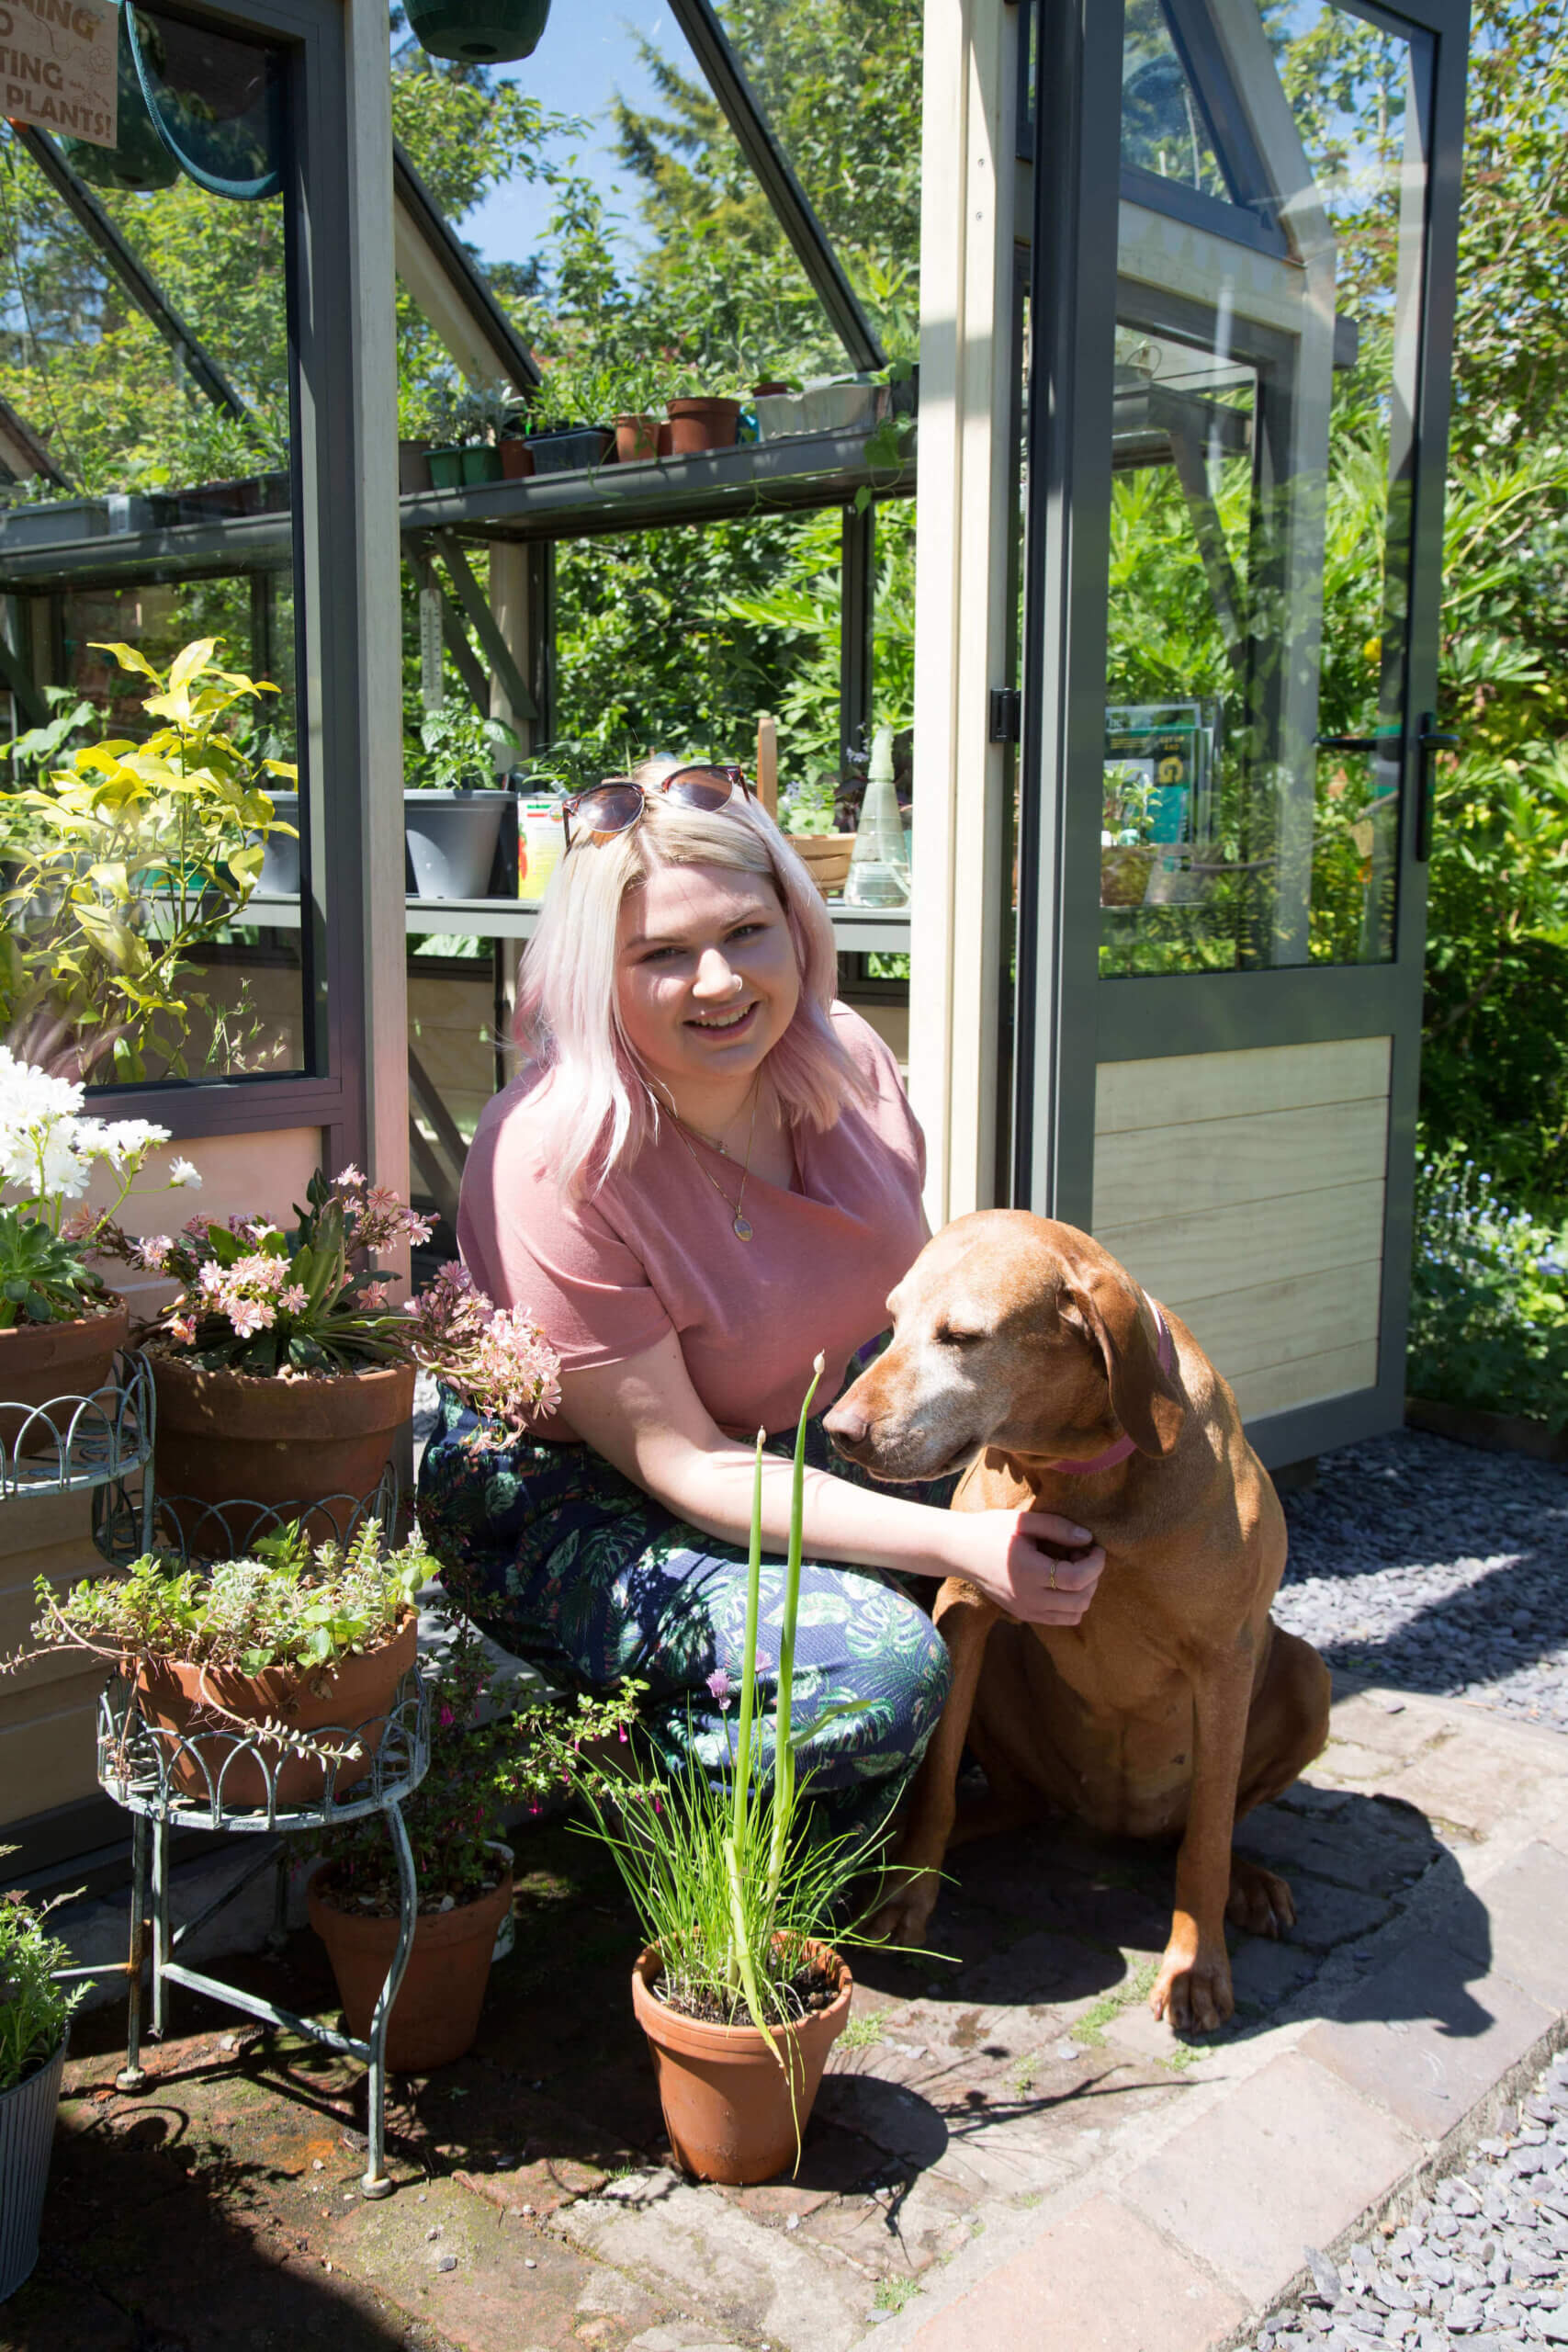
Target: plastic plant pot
(839, 408)
(516, 458)
(446, 469)
(571, 449)
(27, 2137)
(779, 413)
(637, 437)
(478, 32)
(481, 463)
(451, 839)
(279, 876)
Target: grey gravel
(1481, 2265)
(1429, 1566)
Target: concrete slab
(1098, 2280)
(1291, 2156)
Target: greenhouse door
(1234, 457)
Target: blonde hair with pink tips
(600, 1109)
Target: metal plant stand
(169, 1780)
(75, 1443)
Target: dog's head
(1012, 1331)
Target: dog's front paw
(905, 1902)
(1261, 1900)
(1193, 1988)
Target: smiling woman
(707, 1174)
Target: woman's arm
(645, 1417)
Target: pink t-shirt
(653, 1250)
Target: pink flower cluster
(495, 1357)
(248, 1291)
(376, 1217)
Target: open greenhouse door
(1235, 449)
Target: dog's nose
(846, 1424)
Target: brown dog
(1177, 1704)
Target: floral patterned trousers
(570, 1564)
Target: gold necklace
(741, 1225)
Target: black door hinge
(1007, 714)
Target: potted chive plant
(739, 1993)
(453, 817)
(34, 2014)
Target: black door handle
(1430, 739)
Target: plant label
(57, 66)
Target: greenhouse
(1015, 446)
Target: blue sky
(587, 54)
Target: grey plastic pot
(27, 2136)
(451, 839)
(279, 875)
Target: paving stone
(1098, 2280)
(1467, 1781)
(1266, 1971)
(1312, 2153)
(897, 2233)
(1429, 2033)
(1520, 1923)
(702, 2252)
(1327, 1915)
(1044, 1971)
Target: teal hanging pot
(478, 32)
(138, 159)
(215, 101)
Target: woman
(709, 1173)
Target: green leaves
(42, 1278)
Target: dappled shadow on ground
(994, 2070)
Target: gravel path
(1439, 1567)
(1482, 2262)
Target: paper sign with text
(58, 61)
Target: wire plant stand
(171, 1780)
(128, 1519)
(71, 1443)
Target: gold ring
(1054, 1584)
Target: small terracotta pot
(727, 2100)
(39, 1361)
(436, 2013)
(825, 855)
(358, 1692)
(666, 439)
(636, 438)
(701, 424)
(227, 1437)
(516, 458)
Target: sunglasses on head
(615, 805)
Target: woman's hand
(1039, 1568)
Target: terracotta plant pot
(357, 1692)
(727, 2100)
(826, 857)
(226, 1437)
(39, 1361)
(516, 458)
(436, 2013)
(701, 424)
(636, 438)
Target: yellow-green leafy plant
(139, 854)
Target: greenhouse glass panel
(147, 438)
(1259, 528)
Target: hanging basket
(138, 159)
(213, 101)
(478, 32)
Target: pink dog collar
(1124, 1447)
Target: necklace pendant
(742, 1226)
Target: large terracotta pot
(39, 1361)
(698, 424)
(211, 1769)
(226, 1437)
(436, 2013)
(728, 2102)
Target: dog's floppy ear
(1117, 1320)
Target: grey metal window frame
(1066, 1019)
(336, 730)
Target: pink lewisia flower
(182, 1330)
(295, 1299)
(152, 1251)
(374, 1295)
(250, 1315)
(350, 1177)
